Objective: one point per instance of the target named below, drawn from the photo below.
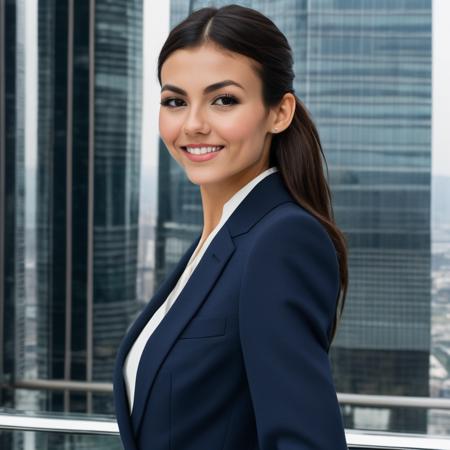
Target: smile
(202, 150)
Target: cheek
(168, 128)
(240, 128)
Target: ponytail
(296, 151)
(298, 154)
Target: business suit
(240, 361)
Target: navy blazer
(240, 361)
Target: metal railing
(344, 398)
(36, 422)
(356, 439)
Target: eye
(166, 102)
(229, 98)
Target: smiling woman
(231, 352)
(218, 104)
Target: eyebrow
(207, 90)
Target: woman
(231, 353)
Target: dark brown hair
(296, 151)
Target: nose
(195, 122)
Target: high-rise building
(363, 69)
(12, 195)
(87, 171)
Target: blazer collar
(266, 195)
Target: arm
(286, 306)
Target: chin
(207, 177)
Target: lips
(215, 146)
(202, 157)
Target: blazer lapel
(188, 302)
(266, 195)
(120, 393)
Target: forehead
(195, 68)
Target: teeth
(202, 150)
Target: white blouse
(133, 357)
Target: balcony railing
(96, 425)
(356, 439)
(344, 398)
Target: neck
(215, 195)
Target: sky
(441, 88)
(156, 26)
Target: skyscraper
(363, 69)
(12, 195)
(365, 73)
(87, 169)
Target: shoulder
(289, 226)
(291, 266)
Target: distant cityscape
(439, 421)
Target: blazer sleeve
(287, 303)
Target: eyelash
(166, 101)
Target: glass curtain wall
(70, 173)
(363, 69)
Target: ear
(283, 113)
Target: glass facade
(366, 76)
(70, 199)
(79, 259)
(363, 69)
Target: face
(194, 111)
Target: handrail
(379, 440)
(34, 422)
(355, 438)
(343, 397)
(394, 400)
(61, 385)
